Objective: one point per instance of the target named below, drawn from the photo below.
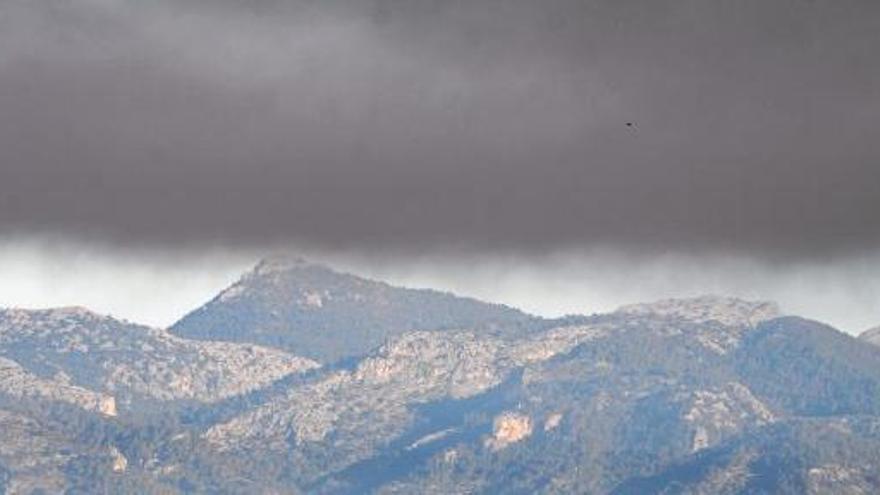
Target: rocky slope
(18, 383)
(646, 409)
(374, 401)
(660, 381)
(313, 311)
(32, 457)
(97, 362)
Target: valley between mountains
(300, 379)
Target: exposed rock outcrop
(552, 422)
(719, 413)
(508, 428)
(119, 462)
(17, 382)
(725, 310)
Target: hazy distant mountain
(313, 311)
(872, 335)
(702, 396)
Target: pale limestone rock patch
(553, 421)
(508, 428)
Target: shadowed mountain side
(322, 314)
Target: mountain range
(300, 379)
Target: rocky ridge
(729, 311)
(83, 353)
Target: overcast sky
(722, 139)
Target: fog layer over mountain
(560, 156)
(158, 287)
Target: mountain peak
(726, 310)
(280, 263)
(314, 311)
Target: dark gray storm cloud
(747, 125)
